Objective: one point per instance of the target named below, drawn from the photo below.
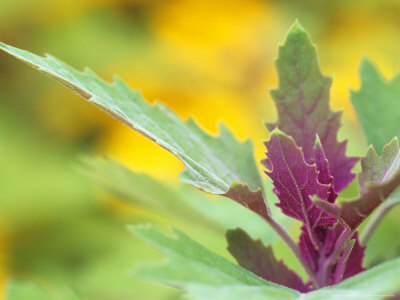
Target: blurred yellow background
(213, 60)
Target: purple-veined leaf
(355, 260)
(295, 181)
(379, 177)
(260, 260)
(330, 267)
(324, 174)
(302, 102)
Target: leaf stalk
(277, 227)
(376, 219)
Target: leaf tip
(318, 143)
(366, 63)
(277, 132)
(296, 27)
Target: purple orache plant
(305, 161)
(308, 167)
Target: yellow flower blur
(211, 60)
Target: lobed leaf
(219, 165)
(324, 173)
(302, 102)
(204, 275)
(379, 170)
(260, 260)
(377, 105)
(295, 181)
(379, 178)
(190, 263)
(378, 283)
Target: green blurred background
(64, 226)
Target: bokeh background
(64, 226)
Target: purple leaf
(349, 261)
(302, 102)
(324, 174)
(330, 267)
(295, 182)
(354, 263)
(379, 177)
(249, 199)
(260, 260)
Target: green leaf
(379, 282)
(239, 292)
(377, 170)
(379, 178)
(204, 275)
(191, 264)
(155, 196)
(219, 165)
(183, 204)
(302, 102)
(377, 105)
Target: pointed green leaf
(379, 178)
(213, 164)
(302, 102)
(191, 264)
(377, 105)
(377, 170)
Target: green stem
(375, 221)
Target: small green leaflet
(378, 170)
(204, 275)
(379, 178)
(219, 165)
(377, 105)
